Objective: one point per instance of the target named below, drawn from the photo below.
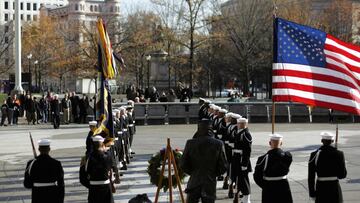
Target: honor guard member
(231, 135)
(241, 165)
(98, 167)
(110, 149)
(221, 124)
(211, 111)
(203, 111)
(328, 164)
(131, 126)
(125, 135)
(203, 159)
(228, 148)
(132, 104)
(271, 173)
(215, 120)
(45, 176)
(89, 142)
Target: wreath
(154, 169)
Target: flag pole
(337, 135)
(273, 118)
(274, 52)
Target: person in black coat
(98, 168)
(328, 164)
(204, 159)
(89, 142)
(271, 173)
(45, 176)
(241, 165)
(55, 111)
(83, 106)
(4, 113)
(75, 107)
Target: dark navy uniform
(203, 111)
(240, 164)
(98, 168)
(271, 175)
(45, 176)
(204, 159)
(328, 164)
(131, 128)
(89, 143)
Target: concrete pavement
(68, 145)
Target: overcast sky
(129, 6)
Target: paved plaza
(68, 145)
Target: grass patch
(2, 98)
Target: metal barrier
(185, 113)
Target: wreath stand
(169, 157)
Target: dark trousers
(100, 194)
(10, 116)
(3, 118)
(56, 121)
(196, 195)
(243, 183)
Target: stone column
(18, 86)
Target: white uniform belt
(116, 138)
(125, 130)
(100, 182)
(275, 178)
(120, 133)
(44, 184)
(131, 125)
(215, 131)
(231, 145)
(227, 142)
(134, 122)
(327, 178)
(239, 151)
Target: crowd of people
(183, 94)
(222, 147)
(47, 108)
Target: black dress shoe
(133, 153)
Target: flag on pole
(315, 68)
(105, 52)
(104, 111)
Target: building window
(6, 28)
(96, 9)
(35, 17)
(21, 6)
(28, 6)
(6, 5)
(6, 39)
(34, 6)
(22, 17)
(6, 62)
(76, 7)
(6, 17)
(91, 8)
(13, 5)
(28, 17)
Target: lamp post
(36, 75)
(29, 57)
(148, 59)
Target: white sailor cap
(121, 109)
(275, 136)
(98, 138)
(131, 103)
(228, 114)
(211, 106)
(216, 108)
(223, 111)
(202, 99)
(207, 101)
(242, 120)
(44, 142)
(116, 110)
(92, 123)
(327, 136)
(235, 116)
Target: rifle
(33, 146)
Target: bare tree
(7, 36)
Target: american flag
(313, 67)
